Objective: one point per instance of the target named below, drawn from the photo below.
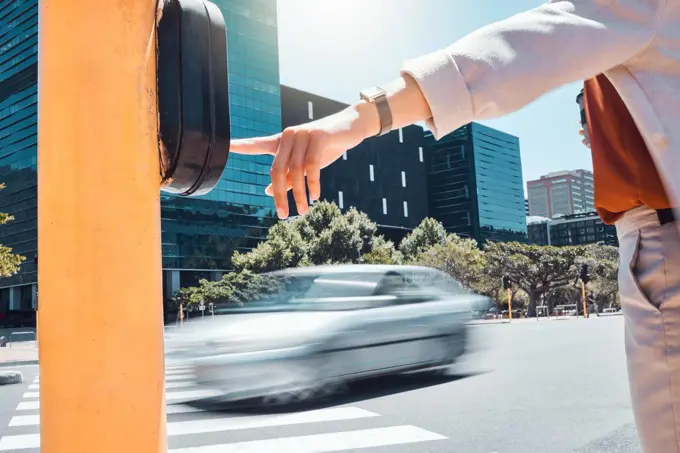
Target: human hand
(304, 150)
(583, 134)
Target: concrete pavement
(557, 387)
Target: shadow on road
(357, 391)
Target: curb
(18, 363)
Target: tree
(383, 252)
(533, 268)
(322, 236)
(603, 261)
(283, 248)
(426, 235)
(458, 257)
(9, 262)
(234, 289)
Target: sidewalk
(19, 354)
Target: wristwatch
(378, 96)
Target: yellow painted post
(101, 323)
(509, 304)
(583, 298)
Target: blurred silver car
(330, 325)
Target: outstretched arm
(491, 72)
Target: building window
(310, 110)
(370, 173)
(401, 135)
(420, 153)
(403, 179)
(405, 209)
(344, 155)
(385, 206)
(341, 202)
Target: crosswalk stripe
(324, 443)
(26, 441)
(28, 405)
(177, 371)
(191, 394)
(168, 385)
(179, 377)
(34, 420)
(183, 395)
(235, 423)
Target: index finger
(254, 146)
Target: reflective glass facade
(18, 144)
(500, 189)
(199, 235)
(475, 183)
(202, 233)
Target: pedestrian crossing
(191, 430)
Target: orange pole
(101, 329)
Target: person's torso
(649, 85)
(625, 175)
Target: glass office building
(475, 183)
(200, 234)
(19, 146)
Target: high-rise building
(475, 183)
(384, 176)
(18, 146)
(199, 234)
(562, 192)
(575, 229)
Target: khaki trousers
(649, 287)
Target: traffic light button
(193, 96)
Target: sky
(335, 48)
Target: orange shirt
(624, 173)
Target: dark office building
(18, 146)
(575, 229)
(475, 183)
(384, 176)
(199, 235)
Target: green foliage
(426, 235)
(322, 236)
(232, 290)
(327, 236)
(535, 269)
(9, 262)
(458, 257)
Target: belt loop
(665, 215)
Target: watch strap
(378, 96)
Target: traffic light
(584, 276)
(193, 96)
(507, 284)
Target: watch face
(372, 93)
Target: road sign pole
(509, 304)
(583, 299)
(99, 229)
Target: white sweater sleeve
(504, 66)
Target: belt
(665, 215)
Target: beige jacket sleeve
(504, 66)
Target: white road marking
(34, 420)
(236, 423)
(26, 441)
(324, 443)
(168, 385)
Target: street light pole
(99, 229)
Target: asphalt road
(557, 386)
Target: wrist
(367, 120)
